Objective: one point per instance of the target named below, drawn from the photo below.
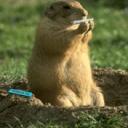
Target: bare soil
(16, 110)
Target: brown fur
(59, 70)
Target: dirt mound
(114, 84)
(15, 110)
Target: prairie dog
(59, 70)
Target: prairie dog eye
(51, 7)
(67, 7)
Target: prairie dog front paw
(85, 24)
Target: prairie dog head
(65, 12)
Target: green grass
(109, 46)
(99, 120)
(84, 120)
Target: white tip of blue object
(84, 19)
(20, 92)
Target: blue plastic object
(20, 92)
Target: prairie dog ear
(55, 8)
(50, 12)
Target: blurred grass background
(18, 21)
